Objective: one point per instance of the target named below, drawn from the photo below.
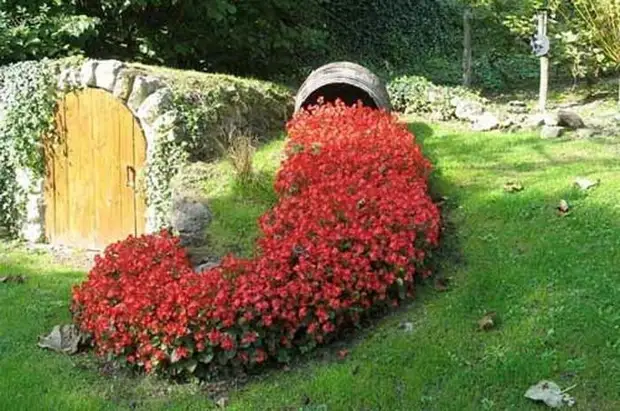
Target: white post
(544, 64)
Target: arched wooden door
(91, 167)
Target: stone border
(146, 96)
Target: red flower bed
(353, 226)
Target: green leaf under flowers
(205, 357)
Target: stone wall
(33, 227)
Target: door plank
(139, 151)
(127, 166)
(81, 183)
(106, 143)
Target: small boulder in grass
(570, 119)
(485, 122)
(551, 131)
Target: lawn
(553, 280)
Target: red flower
(260, 356)
(351, 230)
(227, 343)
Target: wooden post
(467, 61)
(544, 64)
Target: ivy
(167, 159)
(27, 100)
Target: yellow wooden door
(91, 166)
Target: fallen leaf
(488, 321)
(64, 339)
(550, 393)
(17, 279)
(563, 208)
(441, 201)
(441, 284)
(407, 326)
(342, 354)
(222, 402)
(585, 183)
(513, 187)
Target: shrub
(413, 94)
(239, 150)
(353, 227)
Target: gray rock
(155, 105)
(551, 119)
(124, 84)
(551, 131)
(207, 266)
(507, 123)
(87, 74)
(468, 110)
(190, 215)
(75, 78)
(34, 208)
(570, 119)
(586, 133)
(190, 218)
(64, 82)
(32, 232)
(517, 106)
(517, 110)
(485, 122)
(106, 72)
(143, 86)
(535, 121)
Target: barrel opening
(348, 93)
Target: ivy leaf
(190, 365)
(205, 357)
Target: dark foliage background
(285, 39)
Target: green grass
(236, 206)
(554, 281)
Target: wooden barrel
(345, 80)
